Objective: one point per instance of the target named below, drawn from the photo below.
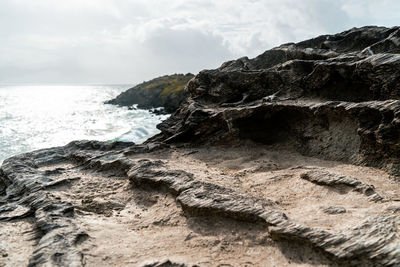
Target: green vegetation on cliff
(170, 84)
(165, 91)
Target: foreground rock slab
(108, 204)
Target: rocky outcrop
(285, 159)
(166, 92)
(335, 96)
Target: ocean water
(34, 117)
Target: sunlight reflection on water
(34, 117)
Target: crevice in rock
(323, 135)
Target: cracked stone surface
(135, 204)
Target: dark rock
(355, 246)
(14, 211)
(165, 263)
(26, 196)
(166, 91)
(394, 209)
(331, 95)
(334, 210)
(322, 177)
(159, 111)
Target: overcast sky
(128, 41)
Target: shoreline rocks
(291, 157)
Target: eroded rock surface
(127, 204)
(335, 180)
(335, 96)
(287, 159)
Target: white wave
(34, 117)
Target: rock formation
(335, 97)
(289, 158)
(166, 92)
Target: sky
(129, 41)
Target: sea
(40, 116)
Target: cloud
(110, 41)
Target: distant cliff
(166, 91)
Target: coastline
(36, 117)
(288, 158)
